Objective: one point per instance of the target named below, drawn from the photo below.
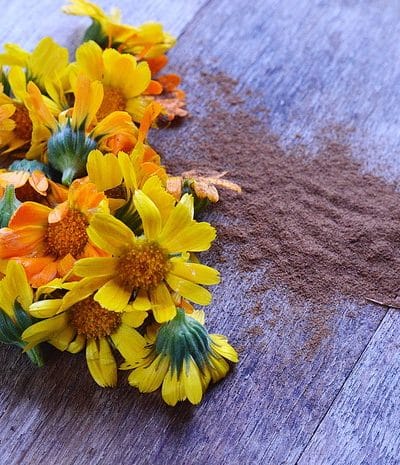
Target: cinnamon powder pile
(313, 221)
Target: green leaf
(8, 204)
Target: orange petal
(169, 82)
(25, 241)
(157, 64)
(64, 266)
(39, 182)
(30, 214)
(154, 88)
(48, 273)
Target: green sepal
(183, 338)
(95, 32)
(5, 82)
(8, 204)
(68, 150)
(11, 331)
(130, 217)
(30, 166)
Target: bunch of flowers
(98, 244)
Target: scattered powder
(315, 222)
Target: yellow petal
(223, 348)
(197, 273)
(134, 319)
(128, 171)
(17, 79)
(129, 343)
(149, 214)
(44, 330)
(45, 308)
(162, 304)
(14, 286)
(81, 290)
(112, 296)
(180, 218)
(101, 362)
(77, 344)
(88, 98)
(195, 238)
(89, 57)
(171, 389)
(63, 339)
(110, 234)
(96, 266)
(148, 379)
(192, 383)
(141, 302)
(189, 290)
(103, 170)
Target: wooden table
(308, 62)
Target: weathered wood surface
(362, 425)
(311, 63)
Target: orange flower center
(113, 100)
(68, 235)
(89, 318)
(143, 266)
(23, 123)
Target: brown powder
(314, 222)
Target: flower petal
(189, 290)
(96, 267)
(149, 214)
(129, 343)
(110, 234)
(101, 362)
(162, 304)
(112, 296)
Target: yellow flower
(155, 263)
(85, 324)
(65, 143)
(15, 298)
(148, 40)
(183, 358)
(47, 61)
(124, 80)
(119, 176)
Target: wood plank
(362, 425)
(268, 410)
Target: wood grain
(362, 425)
(311, 63)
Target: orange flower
(46, 241)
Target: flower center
(144, 266)
(113, 100)
(92, 320)
(23, 123)
(68, 235)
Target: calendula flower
(48, 241)
(84, 324)
(68, 140)
(183, 358)
(47, 62)
(15, 298)
(124, 80)
(156, 262)
(146, 41)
